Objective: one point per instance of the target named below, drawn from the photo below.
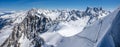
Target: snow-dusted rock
(49, 28)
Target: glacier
(94, 27)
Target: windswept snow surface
(110, 30)
(78, 34)
(24, 41)
(51, 38)
(72, 28)
(67, 29)
(95, 35)
(4, 33)
(13, 19)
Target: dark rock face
(31, 26)
(95, 9)
(36, 23)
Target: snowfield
(95, 35)
(72, 28)
(93, 27)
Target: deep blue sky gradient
(57, 4)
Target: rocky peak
(94, 9)
(97, 9)
(88, 9)
(36, 23)
(32, 12)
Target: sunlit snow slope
(60, 28)
(103, 33)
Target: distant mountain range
(94, 27)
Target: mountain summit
(93, 27)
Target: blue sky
(57, 4)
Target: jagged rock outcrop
(33, 25)
(37, 22)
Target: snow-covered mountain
(103, 33)
(60, 28)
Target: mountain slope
(49, 28)
(103, 33)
